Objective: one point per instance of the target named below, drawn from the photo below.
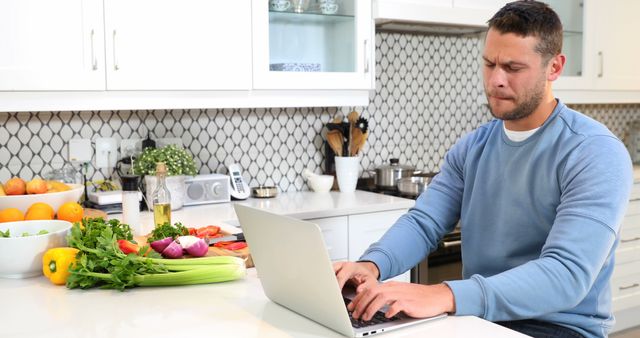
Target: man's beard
(524, 109)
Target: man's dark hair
(531, 18)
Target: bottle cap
(130, 182)
(161, 168)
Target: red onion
(193, 245)
(173, 250)
(161, 244)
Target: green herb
(42, 232)
(167, 230)
(92, 229)
(178, 161)
(107, 267)
(25, 234)
(5, 233)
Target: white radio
(206, 189)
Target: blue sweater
(539, 218)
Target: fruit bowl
(21, 257)
(54, 199)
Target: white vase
(176, 187)
(347, 172)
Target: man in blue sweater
(540, 192)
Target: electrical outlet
(130, 147)
(106, 152)
(161, 142)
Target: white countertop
(35, 308)
(300, 204)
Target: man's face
(515, 79)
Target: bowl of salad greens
(23, 243)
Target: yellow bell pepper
(56, 262)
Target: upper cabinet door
(303, 44)
(617, 50)
(178, 44)
(51, 45)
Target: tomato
(207, 231)
(192, 231)
(236, 246)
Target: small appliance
(207, 189)
(239, 188)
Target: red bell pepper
(128, 247)
(222, 245)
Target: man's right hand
(359, 274)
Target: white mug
(279, 5)
(329, 8)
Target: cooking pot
(387, 175)
(414, 185)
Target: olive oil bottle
(161, 197)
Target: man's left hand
(415, 300)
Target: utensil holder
(347, 172)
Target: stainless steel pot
(387, 175)
(414, 185)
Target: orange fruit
(42, 206)
(11, 215)
(70, 211)
(39, 211)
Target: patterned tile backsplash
(428, 94)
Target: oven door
(445, 263)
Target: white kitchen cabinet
(625, 281)
(601, 57)
(178, 44)
(303, 48)
(492, 5)
(51, 45)
(336, 236)
(366, 229)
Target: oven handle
(450, 244)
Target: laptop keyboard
(378, 318)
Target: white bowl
(54, 199)
(321, 183)
(21, 257)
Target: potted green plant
(179, 164)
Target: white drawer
(635, 192)
(633, 208)
(627, 254)
(625, 270)
(627, 301)
(629, 237)
(625, 286)
(335, 231)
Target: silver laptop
(295, 271)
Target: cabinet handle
(366, 57)
(630, 240)
(451, 244)
(634, 285)
(94, 60)
(601, 60)
(115, 59)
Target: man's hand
(415, 300)
(359, 274)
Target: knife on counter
(239, 237)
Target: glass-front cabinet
(313, 44)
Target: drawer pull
(451, 244)
(630, 240)
(634, 285)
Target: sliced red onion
(173, 250)
(187, 241)
(198, 249)
(161, 244)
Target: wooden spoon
(334, 138)
(359, 139)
